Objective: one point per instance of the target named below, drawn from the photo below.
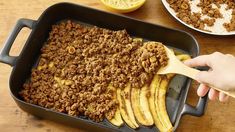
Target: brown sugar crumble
(184, 12)
(77, 64)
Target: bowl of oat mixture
(215, 17)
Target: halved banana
(126, 95)
(160, 103)
(183, 57)
(117, 119)
(135, 102)
(153, 86)
(123, 111)
(144, 105)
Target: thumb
(205, 77)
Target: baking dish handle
(195, 111)
(4, 54)
(201, 105)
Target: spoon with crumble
(174, 65)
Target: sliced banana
(123, 111)
(117, 119)
(144, 105)
(126, 95)
(135, 102)
(153, 86)
(160, 104)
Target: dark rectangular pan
(22, 65)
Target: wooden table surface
(218, 116)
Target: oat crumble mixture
(210, 9)
(77, 64)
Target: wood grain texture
(218, 117)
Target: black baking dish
(22, 65)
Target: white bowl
(172, 12)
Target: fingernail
(224, 98)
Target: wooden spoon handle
(188, 71)
(176, 66)
(191, 72)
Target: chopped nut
(51, 64)
(68, 82)
(71, 49)
(153, 59)
(184, 5)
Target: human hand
(221, 74)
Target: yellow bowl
(124, 8)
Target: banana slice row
(144, 106)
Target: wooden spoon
(176, 66)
